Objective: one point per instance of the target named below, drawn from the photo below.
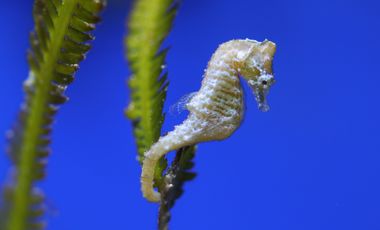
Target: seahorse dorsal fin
(178, 107)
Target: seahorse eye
(264, 82)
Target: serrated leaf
(148, 25)
(58, 44)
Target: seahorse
(217, 109)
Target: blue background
(311, 162)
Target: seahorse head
(256, 68)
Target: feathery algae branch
(148, 25)
(58, 44)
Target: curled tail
(147, 175)
(176, 139)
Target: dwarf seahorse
(216, 110)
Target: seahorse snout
(260, 87)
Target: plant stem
(172, 185)
(34, 121)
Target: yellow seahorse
(216, 110)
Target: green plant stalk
(149, 24)
(34, 121)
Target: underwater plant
(148, 25)
(59, 43)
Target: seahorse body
(216, 110)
